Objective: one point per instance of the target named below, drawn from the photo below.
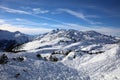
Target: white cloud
(10, 10)
(2, 21)
(108, 30)
(39, 10)
(26, 22)
(25, 30)
(13, 10)
(80, 15)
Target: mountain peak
(17, 32)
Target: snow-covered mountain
(9, 39)
(18, 36)
(64, 55)
(62, 38)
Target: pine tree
(3, 59)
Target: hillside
(64, 55)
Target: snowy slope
(103, 66)
(74, 66)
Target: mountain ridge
(9, 40)
(63, 37)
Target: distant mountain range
(9, 40)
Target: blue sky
(39, 16)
